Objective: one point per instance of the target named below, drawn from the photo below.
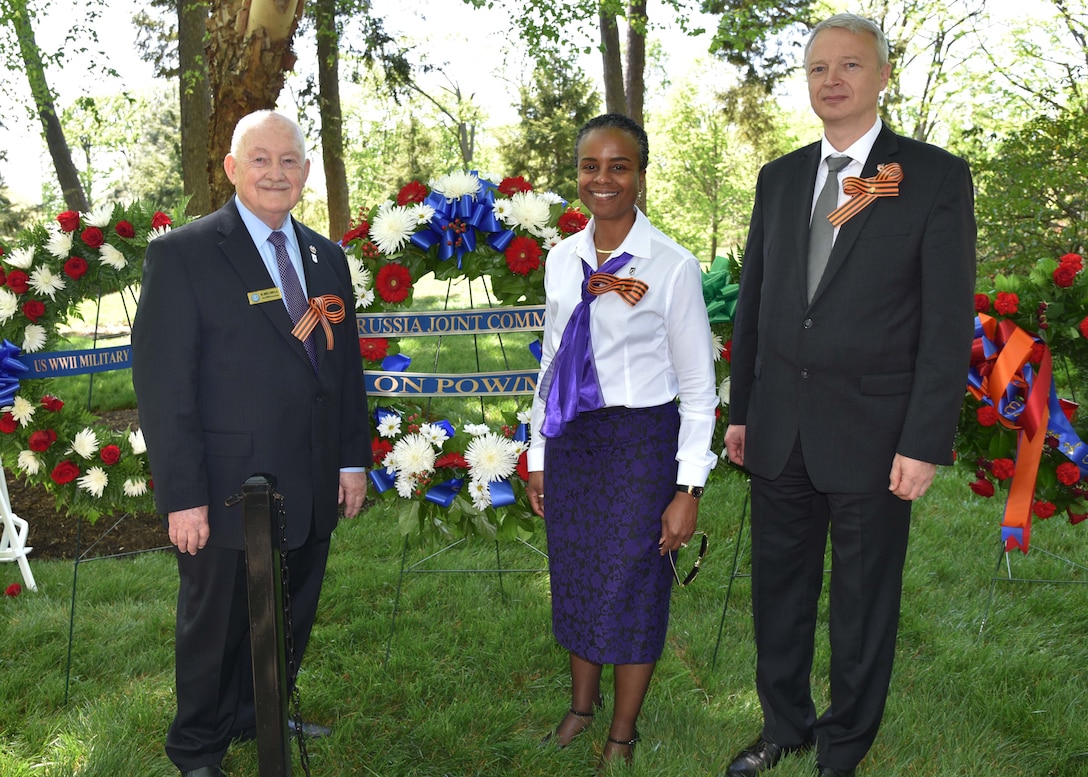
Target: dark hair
(622, 123)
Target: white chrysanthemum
(99, 217)
(491, 457)
(550, 197)
(110, 256)
(34, 337)
(360, 276)
(157, 232)
(503, 211)
(95, 481)
(480, 493)
(43, 281)
(530, 211)
(9, 304)
(21, 258)
(405, 486)
(456, 185)
(85, 444)
(550, 235)
(22, 411)
(392, 228)
(435, 433)
(414, 455)
(29, 462)
(59, 243)
(490, 175)
(424, 213)
(525, 416)
(364, 300)
(136, 441)
(717, 345)
(519, 446)
(389, 425)
(475, 430)
(135, 487)
(723, 392)
(552, 242)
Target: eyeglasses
(703, 545)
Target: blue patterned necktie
(292, 290)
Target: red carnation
(110, 455)
(727, 350)
(125, 229)
(33, 309)
(1003, 469)
(1072, 260)
(69, 221)
(373, 348)
(93, 237)
(13, 590)
(1042, 509)
(523, 255)
(75, 268)
(1083, 326)
(8, 424)
(982, 303)
(381, 448)
(983, 488)
(1037, 350)
(412, 193)
(452, 460)
(1068, 473)
(160, 219)
(514, 184)
(41, 440)
(523, 466)
(1075, 518)
(355, 233)
(51, 403)
(986, 415)
(394, 283)
(1065, 275)
(572, 221)
(65, 472)
(1006, 303)
(17, 281)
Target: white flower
(157, 232)
(392, 228)
(489, 175)
(550, 197)
(110, 256)
(94, 481)
(717, 345)
(456, 185)
(9, 304)
(29, 462)
(59, 243)
(723, 392)
(85, 444)
(525, 416)
(475, 430)
(435, 433)
(360, 276)
(21, 258)
(33, 338)
(519, 447)
(45, 282)
(530, 211)
(136, 441)
(552, 242)
(491, 457)
(22, 411)
(405, 486)
(480, 493)
(135, 487)
(550, 236)
(503, 211)
(365, 300)
(99, 217)
(414, 455)
(390, 425)
(424, 213)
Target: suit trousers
(869, 532)
(213, 662)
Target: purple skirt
(608, 479)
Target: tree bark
(614, 100)
(195, 104)
(332, 120)
(635, 77)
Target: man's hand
(189, 529)
(352, 492)
(734, 443)
(910, 478)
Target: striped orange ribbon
(863, 191)
(328, 309)
(631, 289)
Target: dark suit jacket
(877, 363)
(225, 390)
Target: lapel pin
(313, 254)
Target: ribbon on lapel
(327, 309)
(864, 191)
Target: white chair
(13, 542)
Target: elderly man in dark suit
(225, 390)
(848, 370)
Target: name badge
(264, 295)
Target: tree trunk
(635, 81)
(332, 120)
(249, 50)
(614, 101)
(67, 175)
(195, 104)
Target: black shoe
(762, 755)
(204, 771)
(309, 730)
(827, 771)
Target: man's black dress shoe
(204, 771)
(762, 755)
(827, 771)
(309, 730)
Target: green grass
(474, 678)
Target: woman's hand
(678, 522)
(535, 490)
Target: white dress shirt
(647, 354)
(858, 153)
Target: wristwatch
(695, 491)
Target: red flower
(1075, 518)
(93, 237)
(986, 415)
(160, 219)
(982, 303)
(394, 283)
(125, 229)
(1037, 351)
(355, 233)
(33, 309)
(1076, 261)
(75, 268)
(1083, 326)
(1068, 473)
(13, 590)
(727, 350)
(51, 403)
(1065, 275)
(572, 221)
(3, 277)
(513, 185)
(1003, 469)
(65, 472)
(1043, 510)
(452, 460)
(381, 448)
(373, 349)
(983, 488)
(41, 440)
(412, 193)
(8, 424)
(69, 221)
(523, 255)
(17, 281)
(1006, 303)
(110, 455)
(523, 466)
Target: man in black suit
(846, 384)
(226, 390)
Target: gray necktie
(821, 234)
(292, 290)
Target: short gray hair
(253, 120)
(855, 24)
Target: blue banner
(380, 383)
(452, 322)
(61, 363)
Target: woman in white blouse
(625, 336)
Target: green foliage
(761, 37)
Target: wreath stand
(733, 573)
(13, 541)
